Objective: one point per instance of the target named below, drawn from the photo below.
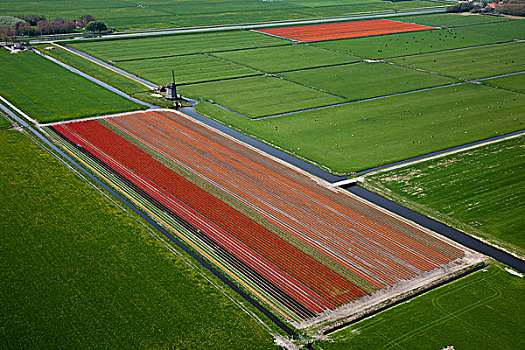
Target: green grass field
(366, 80)
(512, 82)
(260, 96)
(285, 58)
(171, 45)
(3, 122)
(368, 134)
(384, 46)
(505, 30)
(481, 311)
(78, 272)
(48, 92)
(123, 14)
(471, 63)
(451, 20)
(479, 191)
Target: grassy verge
(368, 134)
(479, 191)
(471, 63)
(480, 311)
(69, 281)
(48, 92)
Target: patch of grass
(188, 69)
(3, 122)
(48, 92)
(471, 63)
(260, 96)
(512, 82)
(404, 44)
(368, 134)
(477, 190)
(284, 58)
(171, 45)
(365, 80)
(506, 30)
(480, 311)
(77, 271)
(451, 20)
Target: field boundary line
(18, 111)
(444, 153)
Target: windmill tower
(171, 89)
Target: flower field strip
(390, 250)
(320, 279)
(344, 30)
(264, 287)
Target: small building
(171, 91)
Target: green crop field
(172, 45)
(260, 96)
(452, 20)
(478, 190)
(372, 133)
(3, 122)
(404, 44)
(285, 58)
(188, 69)
(48, 92)
(481, 311)
(511, 82)
(78, 272)
(505, 30)
(123, 14)
(471, 63)
(365, 80)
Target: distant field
(479, 191)
(368, 134)
(188, 69)
(68, 281)
(472, 63)
(284, 58)
(506, 30)
(513, 82)
(123, 14)
(260, 96)
(480, 311)
(48, 92)
(365, 80)
(172, 45)
(452, 20)
(404, 44)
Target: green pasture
(451, 20)
(481, 311)
(479, 62)
(260, 96)
(3, 122)
(506, 30)
(285, 58)
(173, 45)
(76, 271)
(511, 82)
(404, 44)
(48, 92)
(188, 69)
(367, 134)
(366, 80)
(479, 191)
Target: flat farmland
(3, 122)
(145, 150)
(175, 45)
(285, 58)
(471, 63)
(511, 82)
(260, 96)
(452, 20)
(511, 30)
(458, 314)
(404, 44)
(48, 92)
(479, 191)
(74, 265)
(188, 69)
(392, 129)
(366, 80)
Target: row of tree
(506, 7)
(32, 25)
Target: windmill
(171, 89)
